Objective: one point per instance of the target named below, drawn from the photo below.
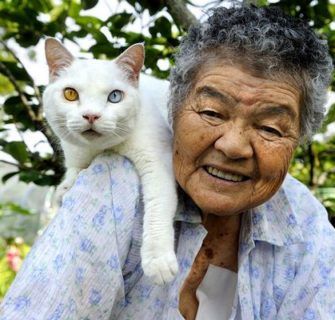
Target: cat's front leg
(159, 261)
(70, 178)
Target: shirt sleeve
(74, 270)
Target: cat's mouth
(91, 134)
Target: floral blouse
(86, 264)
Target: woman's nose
(235, 143)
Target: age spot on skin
(209, 253)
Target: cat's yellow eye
(71, 94)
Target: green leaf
(73, 9)
(18, 150)
(6, 86)
(330, 117)
(18, 72)
(40, 5)
(106, 49)
(56, 12)
(13, 106)
(152, 6)
(89, 4)
(163, 26)
(37, 177)
(118, 21)
(89, 22)
(9, 175)
(15, 208)
(325, 193)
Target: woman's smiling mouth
(225, 175)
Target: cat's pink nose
(91, 117)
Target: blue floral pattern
(86, 265)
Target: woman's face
(234, 138)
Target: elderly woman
(252, 242)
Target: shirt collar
(187, 211)
(275, 221)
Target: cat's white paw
(161, 269)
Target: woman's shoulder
(118, 166)
(107, 198)
(301, 198)
(110, 175)
(310, 214)
(113, 178)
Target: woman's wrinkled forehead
(221, 64)
(249, 63)
(241, 86)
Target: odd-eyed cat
(94, 105)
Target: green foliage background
(26, 22)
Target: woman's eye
(71, 94)
(210, 113)
(115, 96)
(272, 131)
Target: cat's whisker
(123, 128)
(123, 132)
(66, 135)
(109, 131)
(61, 121)
(123, 124)
(111, 126)
(77, 127)
(117, 135)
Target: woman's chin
(219, 208)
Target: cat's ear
(132, 61)
(58, 57)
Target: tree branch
(10, 163)
(312, 165)
(180, 13)
(37, 119)
(36, 89)
(45, 129)
(23, 98)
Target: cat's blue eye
(115, 96)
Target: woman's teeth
(224, 175)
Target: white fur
(137, 128)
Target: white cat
(94, 105)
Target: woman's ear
(58, 57)
(132, 61)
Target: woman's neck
(221, 243)
(220, 248)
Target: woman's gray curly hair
(266, 41)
